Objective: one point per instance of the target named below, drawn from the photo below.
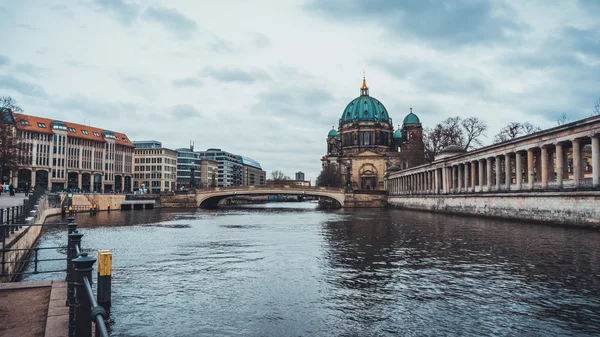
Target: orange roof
(36, 124)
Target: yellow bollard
(104, 278)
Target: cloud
(235, 74)
(184, 111)
(120, 10)
(32, 70)
(172, 20)
(448, 24)
(219, 45)
(188, 82)
(4, 60)
(260, 40)
(23, 87)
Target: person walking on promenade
(1, 187)
(11, 190)
(26, 189)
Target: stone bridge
(210, 197)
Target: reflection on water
(290, 270)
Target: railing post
(82, 267)
(4, 234)
(11, 218)
(74, 241)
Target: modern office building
(299, 175)
(252, 172)
(155, 167)
(231, 169)
(61, 155)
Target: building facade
(365, 144)
(299, 175)
(230, 168)
(60, 155)
(253, 174)
(155, 167)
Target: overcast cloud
(268, 79)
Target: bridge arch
(211, 197)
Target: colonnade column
(80, 178)
(473, 173)
(467, 175)
(480, 171)
(530, 173)
(460, 177)
(544, 167)
(498, 172)
(518, 168)
(452, 181)
(32, 185)
(490, 179)
(559, 165)
(576, 162)
(507, 171)
(595, 161)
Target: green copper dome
(398, 134)
(365, 108)
(332, 133)
(411, 118)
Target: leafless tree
(9, 154)
(596, 109)
(278, 175)
(563, 119)
(474, 130)
(514, 130)
(330, 176)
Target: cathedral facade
(365, 145)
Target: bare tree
(596, 109)
(433, 139)
(474, 130)
(452, 131)
(278, 175)
(563, 119)
(514, 130)
(330, 176)
(9, 152)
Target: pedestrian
(26, 189)
(1, 188)
(11, 190)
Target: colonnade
(549, 165)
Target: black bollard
(73, 242)
(108, 208)
(104, 278)
(82, 268)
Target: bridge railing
(271, 187)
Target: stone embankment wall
(178, 201)
(365, 200)
(26, 236)
(566, 208)
(102, 200)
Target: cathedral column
(518, 172)
(507, 171)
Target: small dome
(332, 133)
(411, 118)
(398, 134)
(393, 168)
(453, 149)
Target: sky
(268, 79)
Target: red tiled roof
(34, 127)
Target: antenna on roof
(191, 146)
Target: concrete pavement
(7, 201)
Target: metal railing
(83, 306)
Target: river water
(287, 269)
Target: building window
(85, 132)
(41, 125)
(72, 130)
(24, 122)
(97, 135)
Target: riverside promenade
(35, 309)
(10, 201)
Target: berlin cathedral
(365, 144)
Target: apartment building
(155, 167)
